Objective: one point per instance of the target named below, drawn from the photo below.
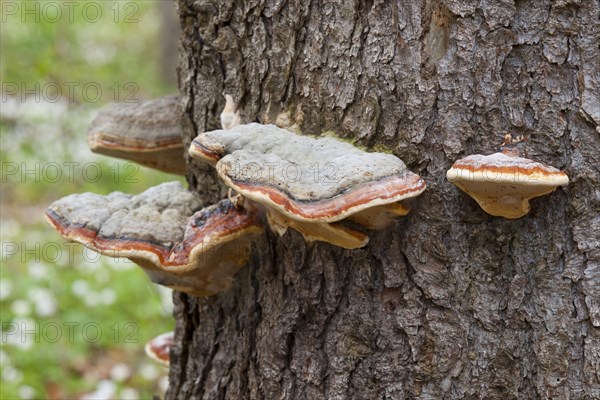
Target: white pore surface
(306, 168)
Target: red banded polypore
(159, 348)
(503, 183)
(307, 179)
(147, 133)
(196, 252)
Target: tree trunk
(449, 302)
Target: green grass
(93, 42)
(102, 310)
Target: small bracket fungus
(147, 133)
(159, 348)
(193, 252)
(309, 180)
(503, 183)
(230, 116)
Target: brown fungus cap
(305, 178)
(147, 133)
(196, 252)
(503, 183)
(159, 348)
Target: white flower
(129, 394)
(5, 288)
(21, 308)
(108, 296)
(11, 228)
(22, 334)
(26, 392)
(105, 390)
(44, 300)
(9, 374)
(120, 372)
(4, 359)
(149, 372)
(37, 270)
(80, 288)
(91, 299)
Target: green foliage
(106, 44)
(104, 310)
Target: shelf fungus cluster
(163, 230)
(310, 184)
(313, 185)
(147, 133)
(503, 183)
(324, 188)
(196, 252)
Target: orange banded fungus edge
(306, 178)
(147, 133)
(159, 348)
(503, 183)
(309, 179)
(196, 252)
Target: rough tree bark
(449, 302)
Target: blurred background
(74, 324)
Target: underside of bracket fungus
(503, 183)
(307, 179)
(333, 233)
(159, 348)
(147, 133)
(380, 216)
(196, 252)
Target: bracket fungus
(503, 183)
(230, 116)
(196, 252)
(147, 133)
(159, 348)
(309, 180)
